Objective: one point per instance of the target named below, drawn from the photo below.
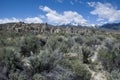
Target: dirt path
(98, 73)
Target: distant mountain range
(110, 26)
(113, 26)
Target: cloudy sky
(59, 12)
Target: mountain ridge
(108, 26)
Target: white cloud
(67, 17)
(92, 4)
(26, 20)
(42, 16)
(33, 20)
(72, 3)
(105, 11)
(60, 1)
(6, 20)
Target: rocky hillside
(43, 52)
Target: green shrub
(57, 42)
(16, 76)
(86, 52)
(81, 72)
(115, 75)
(80, 40)
(10, 42)
(37, 77)
(2, 54)
(9, 59)
(92, 40)
(106, 58)
(79, 69)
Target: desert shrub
(2, 42)
(10, 42)
(9, 59)
(80, 39)
(70, 42)
(93, 31)
(100, 37)
(109, 43)
(16, 76)
(58, 73)
(115, 75)
(30, 44)
(63, 47)
(92, 40)
(45, 61)
(79, 69)
(107, 58)
(81, 72)
(38, 65)
(117, 36)
(62, 33)
(65, 63)
(11, 63)
(116, 55)
(2, 54)
(54, 41)
(110, 56)
(37, 77)
(86, 52)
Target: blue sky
(77, 12)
